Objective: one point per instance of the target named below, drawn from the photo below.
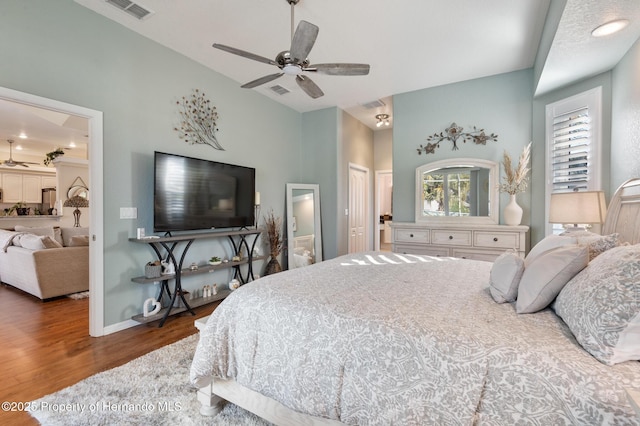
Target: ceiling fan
(295, 62)
(11, 162)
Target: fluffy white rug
(151, 390)
(78, 296)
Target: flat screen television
(193, 194)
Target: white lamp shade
(577, 207)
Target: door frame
(96, 255)
(367, 208)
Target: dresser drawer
(451, 237)
(486, 255)
(504, 240)
(424, 250)
(418, 236)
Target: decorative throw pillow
(37, 242)
(549, 243)
(79, 240)
(547, 275)
(68, 233)
(602, 308)
(42, 230)
(505, 276)
(597, 243)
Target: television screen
(191, 194)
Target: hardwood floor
(45, 346)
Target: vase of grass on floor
(273, 266)
(274, 234)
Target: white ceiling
(410, 45)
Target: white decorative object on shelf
(156, 306)
(512, 212)
(214, 289)
(234, 284)
(167, 267)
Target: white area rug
(78, 296)
(151, 390)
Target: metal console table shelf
(168, 247)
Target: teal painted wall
(500, 104)
(63, 51)
(625, 129)
(319, 164)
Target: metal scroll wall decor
(454, 133)
(198, 120)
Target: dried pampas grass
(516, 179)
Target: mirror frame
(316, 220)
(494, 194)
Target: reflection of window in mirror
(458, 190)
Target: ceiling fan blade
(261, 80)
(245, 54)
(303, 40)
(309, 86)
(339, 69)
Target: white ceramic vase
(512, 212)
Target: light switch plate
(128, 213)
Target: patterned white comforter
(382, 338)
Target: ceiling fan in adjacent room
(11, 162)
(295, 62)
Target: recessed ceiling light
(610, 28)
(23, 135)
(72, 145)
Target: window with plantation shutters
(573, 146)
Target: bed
(384, 338)
(303, 251)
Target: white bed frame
(623, 217)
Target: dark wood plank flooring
(45, 346)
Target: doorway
(96, 257)
(383, 210)
(359, 223)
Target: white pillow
(68, 233)
(36, 242)
(547, 275)
(602, 308)
(549, 243)
(505, 276)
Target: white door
(358, 190)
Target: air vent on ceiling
(133, 9)
(280, 90)
(374, 104)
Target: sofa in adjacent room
(46, 261)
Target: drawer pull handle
(411, 235)
(495, 239)
(451, 237)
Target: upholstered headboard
(623, 215)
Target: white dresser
(468, 241)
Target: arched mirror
(78, 188)
(304, 233)
(457, 190)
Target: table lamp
(586, 207)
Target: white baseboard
(119, 327)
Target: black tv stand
(167, 247)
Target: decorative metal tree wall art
(454, 133)
(198, 120)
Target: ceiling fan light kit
(295, 61)
(383, 120)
